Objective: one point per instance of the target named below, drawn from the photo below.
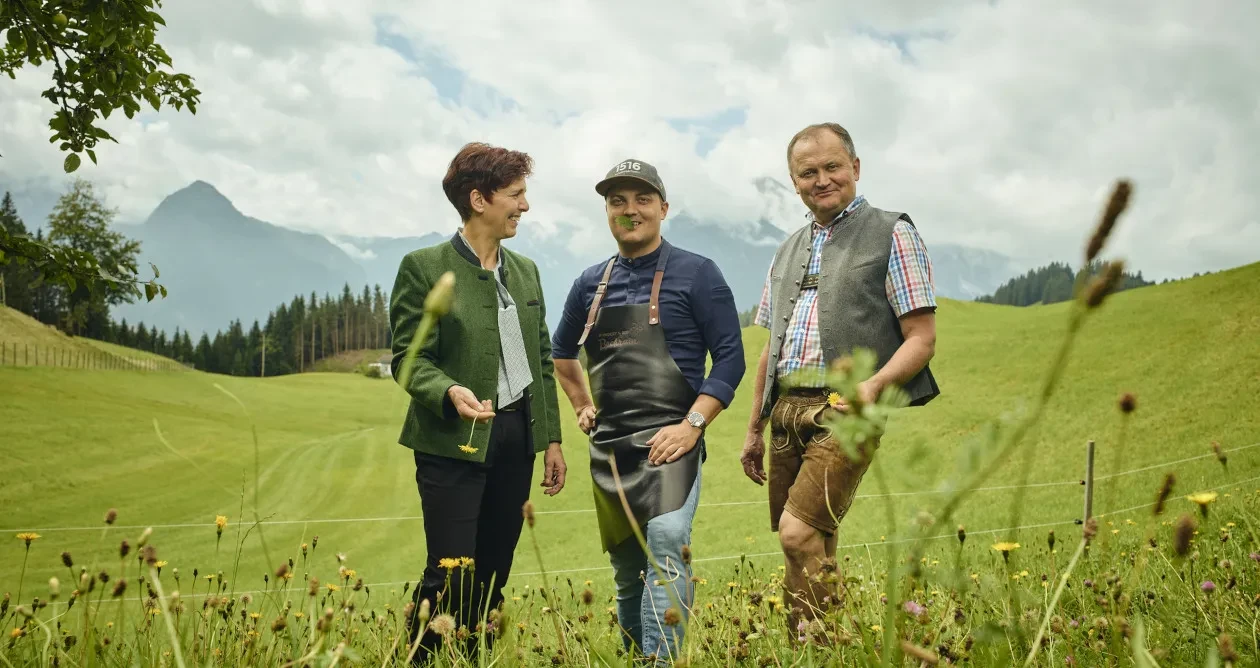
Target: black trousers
(472, 510)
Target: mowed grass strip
(77, 443)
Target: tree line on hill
(1053, 283)
(296, 335)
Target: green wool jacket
(463, 349)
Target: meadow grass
(175, 451)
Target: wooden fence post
(1089, 481)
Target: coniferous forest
(1050, 284)
(295, 335)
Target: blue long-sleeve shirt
(697, 308)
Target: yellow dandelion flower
(1202, 498)
(299, 614)
(833, 400)
(254, 615)
(468, 448)
(732, 585)
(516, 598)
(465, 561)
(876, 628)
(155, 611)
(210, 576)
(1115, 531)
(448, 563)
(28, 537)
(332, 587)
(159, 564)
(1005, 547)
(17, 633)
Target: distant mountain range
(220, 264)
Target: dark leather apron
(637, 389)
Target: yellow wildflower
(465, 561)
(1203, 499)
(220, 521)
(468, 448)
(448, 563)
(28, 537)
(833, 400)
(332, 587)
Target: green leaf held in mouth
(625, 222)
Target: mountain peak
(199, 197)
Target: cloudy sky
(999, 125)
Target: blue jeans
(641, 609)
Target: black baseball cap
(632, 169)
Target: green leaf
(155, 270)
(154, 78)
(162, 289)
(625, 222)
(149, 291)
(157, 18)
(71, 163)
(92, 155)
(109, 40)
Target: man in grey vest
(852, 276)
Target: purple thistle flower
(1255, 556)
(1089, 584)
(1074, 624)
(914, 608)
(1208, 586)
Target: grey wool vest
(852, 303)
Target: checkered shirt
(908, 285)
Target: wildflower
(465, 561)
(672, 616)
(283, 571)
(1127, 402)
(686, 554)
(332, 587)
(588, 597)
(220, 521)
(65, 559)
(834, 400)
(1208, 586)
(443, 625)
(448, 563)
(54, 588)
(149, 554)
(17, 633)
(1202, 499)
(1005, 548)
(914, 608)
(119, 587)
(1226, 647)
(28, 537)
(1220, 454)
(439, 300)
(1182, 535)
(962, 534)
(1115, 206)
(468, 448)
(111, 515)
(1255, 556)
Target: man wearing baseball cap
(646, 318)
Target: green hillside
(77, 443)
(26, 341)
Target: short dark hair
(485, 168)
(818, 127)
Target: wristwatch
(696, 420)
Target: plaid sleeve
(762, 318)
(909, 283)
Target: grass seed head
(528, 511)
(1128, 402)
(119, 587)
(65, 559)
(1115, 206)
(1220, 454)
(1104, 284)
(124, 549)
(111, 515)
(1165, 491)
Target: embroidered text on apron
(637, 389)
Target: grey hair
(819, 127)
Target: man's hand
(672, 442)
(869, 390)
(586, 418)
(553, 470)
(466, 404)
(753, 456)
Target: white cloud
(999, 125)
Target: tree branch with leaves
(105, 57)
